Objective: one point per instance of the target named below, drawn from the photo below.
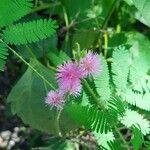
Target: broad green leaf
(78, 113)
(116, 40)
(143, 6)
(27, 99)
(88, 17)
(39, 49)
(129, 2)
(57, 58)
(85, 38)
(139, 17)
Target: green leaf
(140, 51)
(81, 12)
(102, 81)
(133, 119)
(27, 99)
(85, 101)
(94, 12)
(29, 32)
(85, 38)
(39, 49)
(88, 27)
(8, 13)
(57, 58)
(129, 2)
(143, 6)
(89, 84)
(137, 99)
(115, 40)
(100, 121)
(120, 68)
(3, 55)
(131, 68)
(103, 139)
(74, 9)
(78, 113)
(137, 138)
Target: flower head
(69, 76)
(55, 99)
(90, 64)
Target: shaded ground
(11, 127)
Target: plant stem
(109, 14)
(122, 138)
(52, 68)
(44, 6)
(36, 2)
(57, 123)
(30, 52)
(67, 26)
(105, 44)
(31, 67)
(96, 100)
(104, 25)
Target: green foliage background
(122, 90)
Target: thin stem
(57, 122)
(66, 17)
(122, 138)
(31, 67)
(104, 25)
(36, 3)
(109, 14)
(95, 98)
(118, 28)
(76, 52)
(52, 68)
(105, 44)
(30, 52)
(67, 26)
(53, 9)
(40, 71)
(45, 6)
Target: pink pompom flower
(55, 99)
(69, 76)
(90, 64)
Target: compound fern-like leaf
(12, 10)
(99, 121)
(134, 119)
(3, 55)
(137, 99)
(105, 140)
(102, 81)
(120, 68)
(29, 32)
